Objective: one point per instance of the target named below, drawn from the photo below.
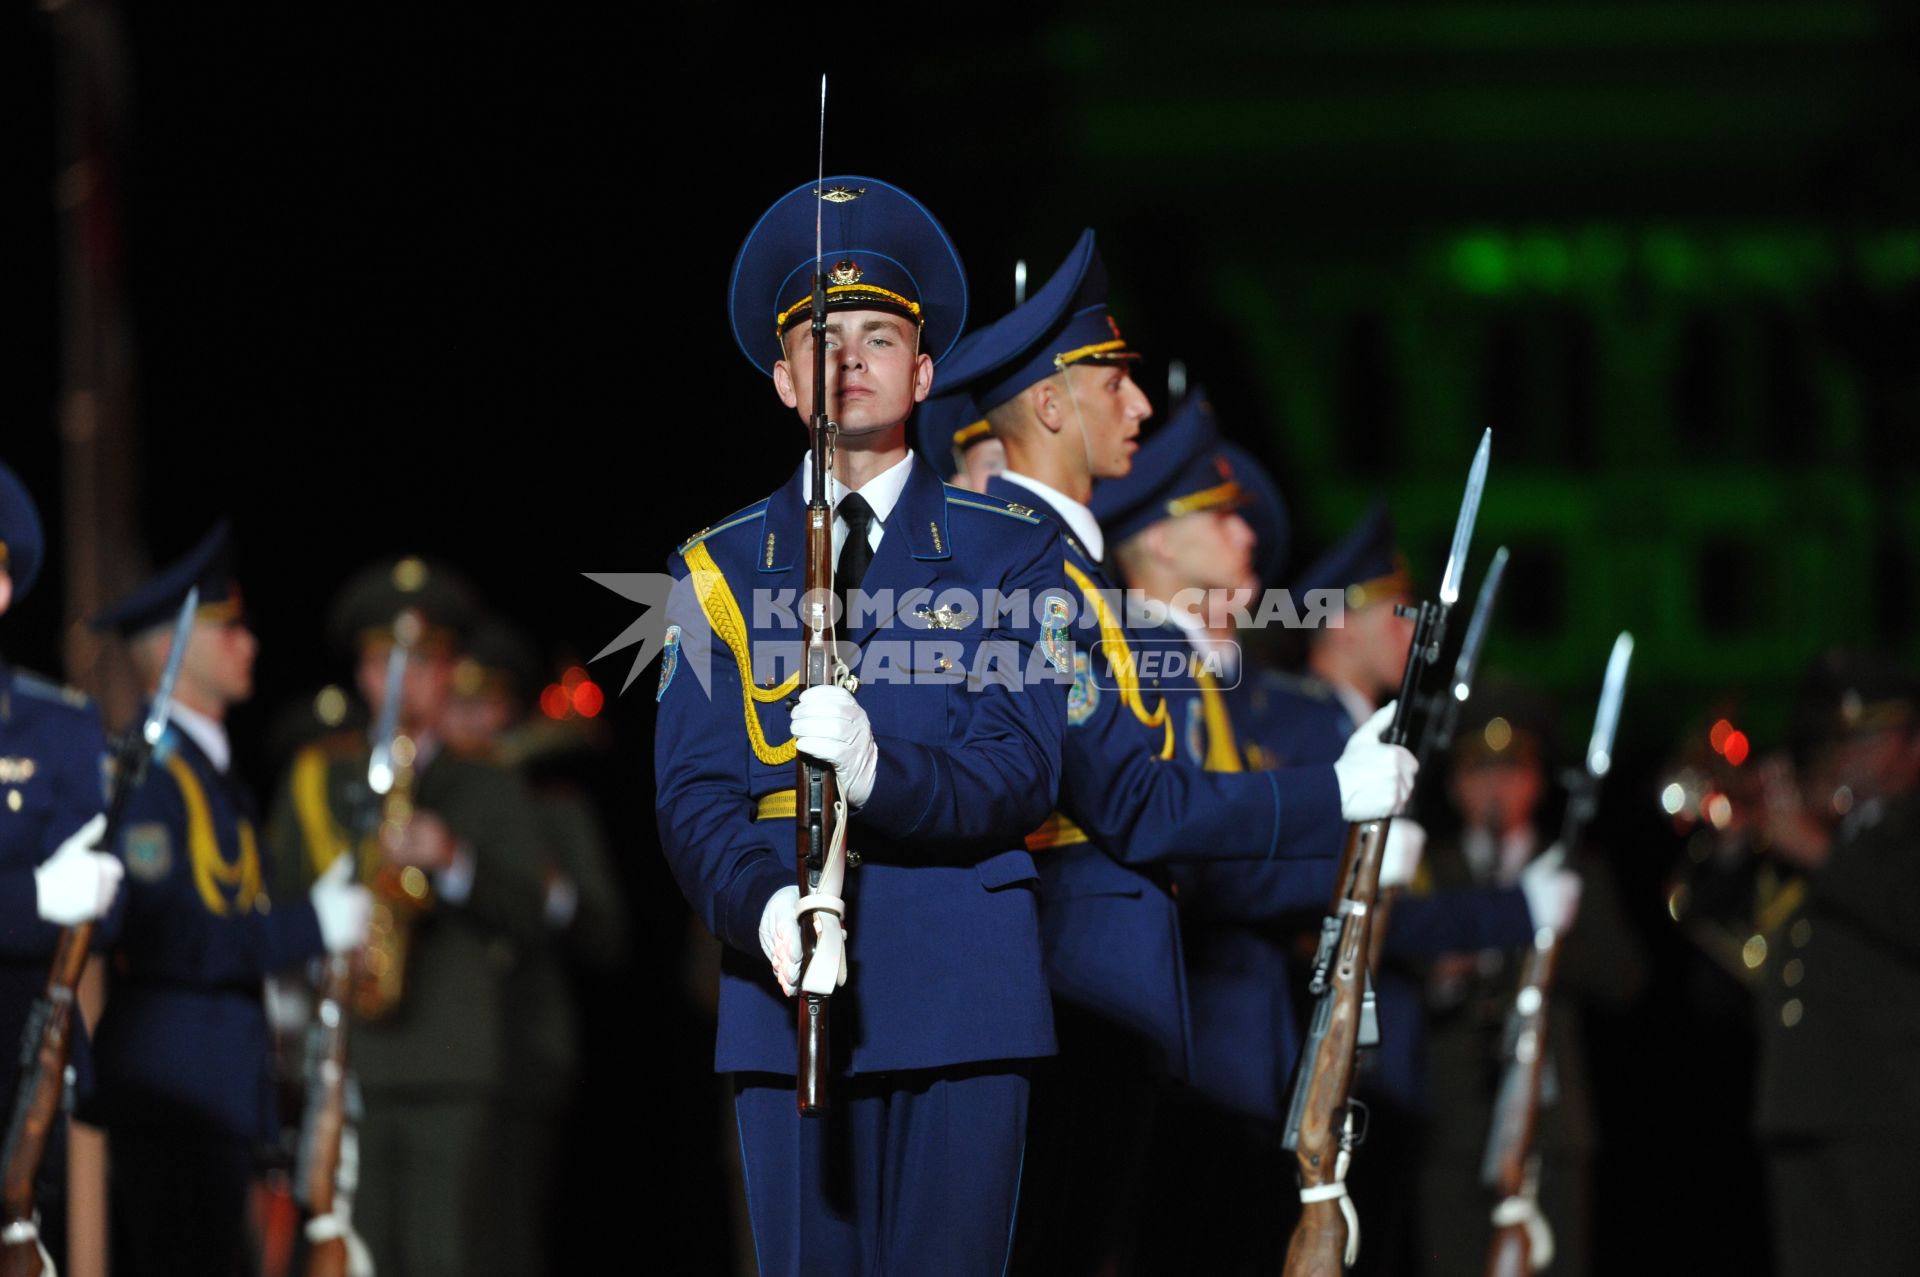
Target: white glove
(76, 883)
(830, 726)
(1406, 841)
(1552, 890)
(1375, 778)
(342, 905)
(780, 936)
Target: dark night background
(458, 287)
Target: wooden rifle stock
(1316, 1123)
(326, 1122)
(1516, 1111)
(45, 1047)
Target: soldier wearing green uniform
(460, 842)
(586, 931)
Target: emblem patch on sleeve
(1084, 697)
(669, 660)
(1055, 639)
(149, 851)
(1196, 732)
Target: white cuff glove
(76, 883)
(342, 906)
(1552, 890)
(1376, 778)
(830, 726)
(780, 936)
(1406, 842)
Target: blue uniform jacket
(184, 1035)
(1239, 917)
(1132, 804)
(52, 770)
(967, 710)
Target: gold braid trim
(781, 804)
(1229, 493)
(324, 838)
(1223, 753)
(211, 872)
(1056, 831)
(1115, 640)
(723, 614)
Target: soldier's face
(1211, 549)
(221, 654)
(424, 689)
(1497, 795)
(980, 463)
(1112, 408)
(6, 591)
(875, 371)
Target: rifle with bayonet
(326, 1174)
(1322, 1124)
(1442, 717)
(1522, 1242)
(48, 1039)
(821, 828)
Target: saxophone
(400, 896)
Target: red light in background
(574, 676)
(588, 699)
(1737, 748)
(554, 702)
(1718, 736)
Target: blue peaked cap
(881, 249)
(1064, 323)
(156, 601)
(1366, 562)
(23, 542)
(945, 425)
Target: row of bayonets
(1321, 1127)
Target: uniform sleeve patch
(1084, 697)
(1055, 637)
(669, 661)
(149, 851)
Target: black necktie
(857, 551)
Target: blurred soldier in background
(182, 1048)
(586, 930)
(458, 851)
(953, 437)
(1502, 761)
(52, 760)
(1839, 1106)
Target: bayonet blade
(1020, 282)
(1468, 663)
(162, 705)
(380, 765)
(1607, 718)
(1463, 527)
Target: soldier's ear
(1044, 398)
(922, 377)
(783, 385)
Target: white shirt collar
(1224, 651)
(1077, 516)
(1358, 707)
(882, 493)
(209, 734)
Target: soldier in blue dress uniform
(915, 1167)
(186, 1091)
(1054, 379)
(52, 761)
(1350, 668)
(952, 435)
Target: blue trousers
(913, 1173)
